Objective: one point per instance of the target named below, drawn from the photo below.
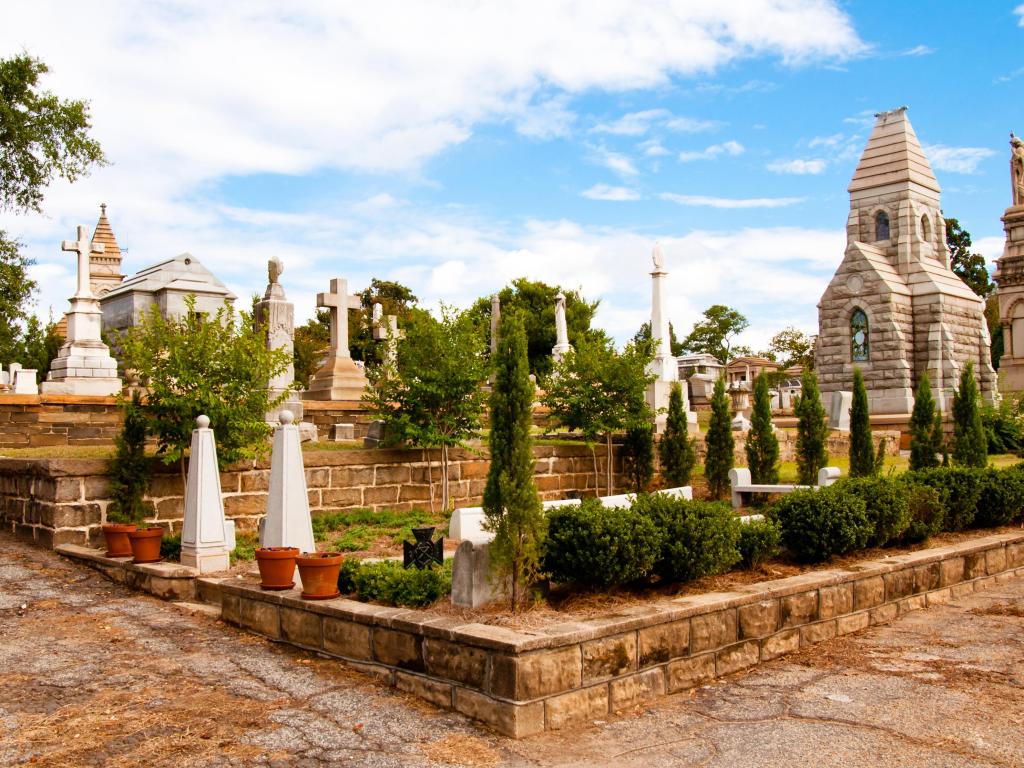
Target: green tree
(862, 447)
(129, 470)
(969, 267)
(791, 347)
(435, 400)
(714, 334)
(535, 302)
(310, 345)
(395, 299)
(970, 446)
(676, 450)
(811, 430)
(599, 391)
(39, 345)
(643, 336)
(762, 446)
(192, 365)
(923, 447)
(638, 456)
(510, 502)
(719, 442)
(16, 291)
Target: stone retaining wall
(525, 682)
(28, 421)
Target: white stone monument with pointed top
(495, 322)
(204, 532)
(385, 328)
(340, 378)
(561, 330)
(288, 522)
(83, 365)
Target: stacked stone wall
(30, 421)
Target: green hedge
(959, 490)
(698, 538)
(388, 582)
(927, 513)
(759, 541)
(818, 524)
(1002, 497)
(885, 501)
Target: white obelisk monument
(664, 366)
(561, 330)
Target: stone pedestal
(1010, 278)
(276, 316)
(288, 522)
(339, 379)
(204, 535)
(83, 365)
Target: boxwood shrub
(885, 502)
(818, 524)
(927, 514)
(698, 538)
(388, 582)
(758, 541)
(959, 489)
(596, 546)
(1002, 496)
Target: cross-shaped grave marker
(84, 247)
(339, 301)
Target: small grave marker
(423, 552)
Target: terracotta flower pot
(277, 567)
(319, 574)
(116, 536)
(146, 544)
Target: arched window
(926, 228)
(859, 336)
(881, 226)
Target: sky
(456, 146)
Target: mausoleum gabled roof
(893, 157)
(182, 274)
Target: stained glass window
(859, 336)
(881, 226)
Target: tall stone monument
(894, 308)
(561, 330)
(83, 365)
(204, 531)
(340, 378)
(1010, 277)
(276, 316)
(664, 366)
(385, 328)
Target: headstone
(5, 380)
(839, 413)
(471, 576)
(25, 382)
(422, 553)
(14, 368)
(288, 522)
(204, 535)
(83, 365)
(740, 423)
(276, 316)
(561, 330)
(374, 434)
(340, 432)
(340, 378)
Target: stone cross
(339, 301)
(85, 247)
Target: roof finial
(103, 209)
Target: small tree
(762, 446)
(435, 400)
(715, 333)
(128, 470)
(811, 430)
(924, 449)
(638, 456)
(719, 442)
(192, 365)
(510, 502)
(677, 452)
(970, 446)
(862, 448)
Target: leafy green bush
(758, 541)
(170, 548)
(927, 514)
(886, 505)
(246, 543)
(818, 524)
(129, 470)
(1004, 425)
(1002, 497)
(698, 538)
(959, 490)
(598, 546)
(387, 582)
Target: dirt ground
(93, 674)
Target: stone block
(515, 720)
(393, 474)
(378, 495)
(254, 481)
(452, 661)
(318, 477)
(229, 482)
(974, 565)
(815, 633)
(963, 589)
(398, 649)
(663, 642)
(852, 623)
(576, 707)
(912, 603)
(835, 601)
(609, 657)
(1015, 555)
(786, 641)
(995, 560)
(260, 617)
(301, 627)
(67, 489)
(349, 477)
(798, 609)
(534, 675)
(926, 577)
(629, 691)
(869, 592)
(951, 571)
(341, 497)
(97, 488)
(414, 493)
(883, 614)
(938, 597)
(230, 609)
(688, 673)
(347, 638)
(898, 584)
(434, 691)
(243, 505)
(171, 589)
(712, 630)
(737, 657)
(758, 619)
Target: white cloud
(797, 167)
(825, 141)
(653, 148)
(606, 192)
(956, 159)
(730, 202)
(632, 124)
(1019, 10)
(691, 125)
(918, 50)
(615, 161)
(990, 247)
(710, 153)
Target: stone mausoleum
(895, 308)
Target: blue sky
(455, 147)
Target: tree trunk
(430, 477)
(444, 479)
(610, 473)
(597, 474)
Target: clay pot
(277, 567)
(319, 574)
(116, 536)
(145, 544)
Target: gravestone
(25, 382)
(5, 380)
(740, 423)
(276, 316)
(204, 534)
(471, 576)
(339, 378)
(288, 522)
(839, 413)
(385, 328)
(422, 553)
(374, 434)
(341, 432)
(561, 330)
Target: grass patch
(332, 446)
(356, 530)
(245, 546)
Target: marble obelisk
(664, 367)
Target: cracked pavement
(92, 673)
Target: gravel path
(94, 674)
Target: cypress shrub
(758, 541)
(970, 445)
(762, 446)
(862, 449)
(885, 502)
(698, 538)
(676, 450)
(811, 430)
(719, 442)
(128, 470)
(815, 525)
(638, 456)
(924, 449)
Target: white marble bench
(742, 487)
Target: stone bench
(742, 487)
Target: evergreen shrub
(676, 450)
(758, 541)
(927, 513)
(886, 505)
(959, 490)
(1002, 497)
(389, 583)
(698, 538)
(129, 470)
(818, 524)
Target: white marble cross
(339, 302)
(85, 247)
